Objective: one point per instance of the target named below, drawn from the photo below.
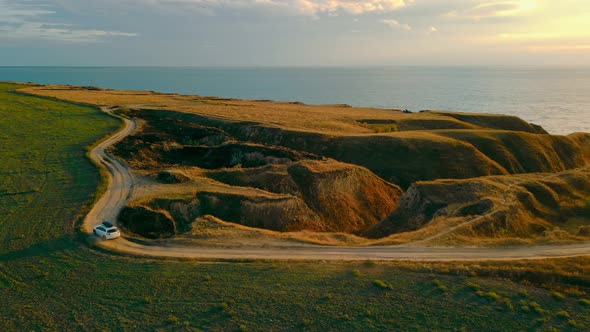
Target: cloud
(350, 6)
(27, 21)
(395, 24)
(278, 7)
(57, 32)
(432, 30)
(489, 9)
(10, 13)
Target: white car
(107, 231)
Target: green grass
(44, 175)
(49, 280)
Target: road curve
(120, 189)
(120, 182)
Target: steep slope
(324, 196)
(519, 152)
(348, 198)
(524, 207)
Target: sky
(293, 32)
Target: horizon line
(310, 66)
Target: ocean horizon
(555, 97)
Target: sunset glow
(296, 32)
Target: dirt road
(120, 181)
(120, 190)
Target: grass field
(44, 174)
(49, 280)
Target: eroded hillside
(546, 207)
(431, 176)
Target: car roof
(108, 224)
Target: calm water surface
(556, 98)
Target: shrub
(380, 284)
(584, 302)
(440, 286)
(507, 303)
(562, 314)
(489, 295)
(172, 319)
(356, 273)
(537, 308)
(573, 291)
(557, 295)
(524, 306)
(473, 286)
(523, 293)
(541, 321)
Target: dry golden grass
(400, 148)
(445, 230)
(493, 211)
(330, 119)
(209, 230)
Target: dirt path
(120, 190)
(120, 181)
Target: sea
(557, 98)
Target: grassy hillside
(491, 121)
(51, 281)
(519, 152)
(44, 173)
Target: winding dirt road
(120, 181)
(120, 189)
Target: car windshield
(114, 230)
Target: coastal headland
(211, 171)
